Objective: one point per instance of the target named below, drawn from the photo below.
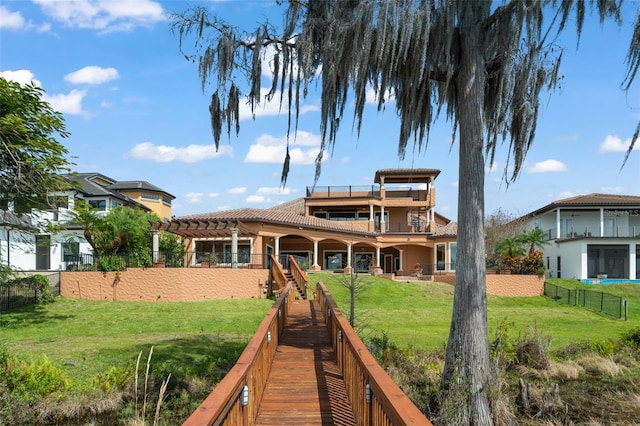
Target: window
(115, 204)
(342, 216)
(453, 251)
(335, 260)
(440, 257)
(566, 228)
(321, 215)
(148, 196)
(98, 204)
(610, 227)
(70, 251)
(166, 200)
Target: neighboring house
(592, 237)
(25, 245)
(390, 226)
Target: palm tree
(536, 238)
(484, 65)
(510, 247)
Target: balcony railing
(587, 232)
(343, 191)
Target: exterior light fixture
(268, 337)
(340, 335)
(367, 393)
(245, 396)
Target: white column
(349, 255)
(155, 245)
(558, 223)
(382, 225)
(601, 221)
(632, 261)
(377, 257)
(584, 262)
(277, 248)
(234, 248)
(401, 255)
(315, 253)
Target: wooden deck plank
(305, 386)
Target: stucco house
(593, 238)
(26, 245)
(389, 227)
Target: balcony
(370, 191)
(594, 232)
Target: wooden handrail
(384, 403)
(278, 278)
(300, 277)
(224, 405)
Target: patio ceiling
(203, 228)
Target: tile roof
(137, 184)
(592, 200)
(292, 213)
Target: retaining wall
(165, 284)
(506, 285)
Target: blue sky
(136, 111)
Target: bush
(30, 380)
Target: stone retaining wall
(165, 284)
(506, 285)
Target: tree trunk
(467, 371)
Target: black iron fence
(598, 301)
(26, 291)
(90, 262)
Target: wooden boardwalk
(305, 385)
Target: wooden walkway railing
(306, 365)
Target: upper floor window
(148, 196)
(166, 200)
(115, 203)
(98, 204)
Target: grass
(419, 313)
(88, 337)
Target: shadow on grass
(208, 356)
(28, 316)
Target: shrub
(30, 380)
(115, 378)
(602, 347)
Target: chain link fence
(15, 295)
(598, 301)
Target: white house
(26, 245)
(593, 238)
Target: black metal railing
(90, 262)
(343, 191)
(598, 301)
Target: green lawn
(88, 337)
(419, 313)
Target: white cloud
(189, 154)
(193, 197)
(237, 190)
(274, 190)
(303, 149)
(213, 195)
(257, 199)
(270, 108)
(345, 160)
(104, 15)
(20, 76)
(92, 75)
(548, 166)
(70, 103)
(615, 144)
(222, 208)
(11, 20)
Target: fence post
(601, 301)
(626, 310)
